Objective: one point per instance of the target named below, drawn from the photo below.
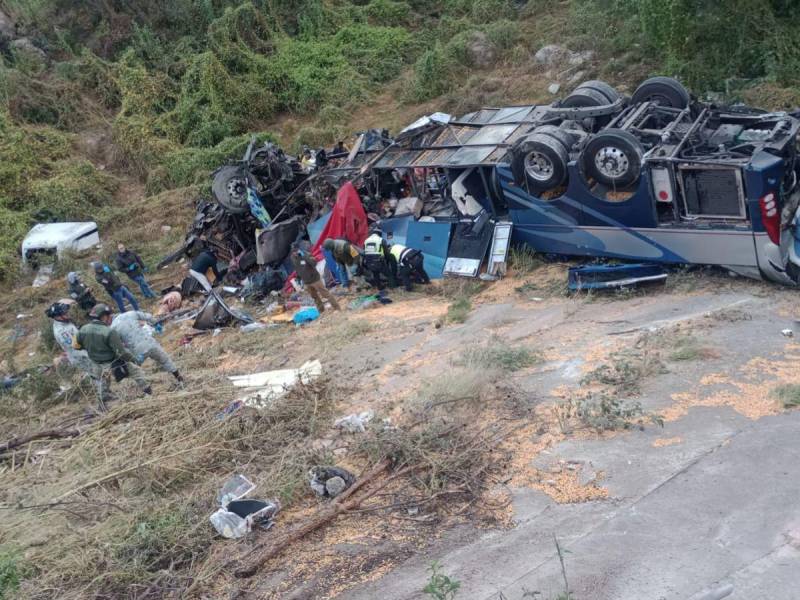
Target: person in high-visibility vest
(378, 261)
(410, 265)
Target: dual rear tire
(612, 157)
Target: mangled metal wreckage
(655, 178)
(658, 177)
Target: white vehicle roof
(59, 236)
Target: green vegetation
(604, 412)
(12, 571)
(721, 47)
(440, 586)
(459, 310)
(788, 394)
(177, 87)
(497, 355)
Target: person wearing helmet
(80, 292)
(140, 341)
(378, 261)
(109, 280)
(409, 265)
(64, 332)
(340, 255)
(109, 355)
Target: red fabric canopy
(348, 220)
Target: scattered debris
(274, 384)
(329, 482)
(601, 277)
(355, 423)
(237, 516)
(305, 315)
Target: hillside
(107, 104)
(118, 111)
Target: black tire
(613, 157)
(229, 187)
(563, 136)
(665, 91)
(601, 86)
(539, 162)
(582, 97)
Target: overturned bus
(657, 177)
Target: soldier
(108, 354)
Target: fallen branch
(16, 442)
(339, 505)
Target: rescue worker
(132, 265)
(140, 341)
(80, 292)
(377, 262)
(410, 265)
(340, 254)
(109, 280)
(64, 332)
(306, 268)
(108, 353)
(204, 261)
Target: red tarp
(348, 221)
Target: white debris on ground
(355, 423)
(274, 384)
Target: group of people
(114, 346)
(126, 261)
(110, 346)
(381, 264)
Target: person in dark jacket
(207, 260)
(132, 265)
(80, 292)
(340, 254)
(107, 352)
(410, 265)
(111, 283)
(306, 268)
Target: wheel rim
(538, 166)
(611, 162)
(237, 192)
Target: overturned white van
(52, 240)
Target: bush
(379, 53)
(305, 75)
(72, 193)
(190, 165)
(499, 355)
(459, 310)
(13, 227)
(486, 11)
(788, 394)
(215, 103)
(433, 74)
(705, 44)
(388, 12)
(139, 143)
(12, 571)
